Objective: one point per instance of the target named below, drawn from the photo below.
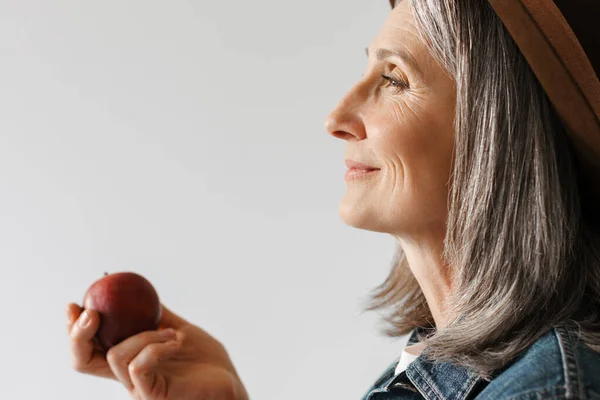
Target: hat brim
(561, 65)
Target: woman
(474, 139)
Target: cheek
(416, 151)
(402, 138)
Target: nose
(346, 120)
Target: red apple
(127, 304)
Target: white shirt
(410, 354)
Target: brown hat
(560, 40)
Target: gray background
(184, 140)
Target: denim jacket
(556, 366)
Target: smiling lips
(358, 170)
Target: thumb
(170, 320)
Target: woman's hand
(179, 361)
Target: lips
(359, 171)
(354, 165)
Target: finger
(84, 354)
(142, 369)
(122, 354)
(170, 320)
(82, 332)
(73, 312)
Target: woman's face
(402, 127)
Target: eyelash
(400, 85)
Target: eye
(397, 83)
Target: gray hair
(523, 253)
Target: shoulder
(557, 366)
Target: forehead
(400, 31)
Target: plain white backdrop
(184, 140)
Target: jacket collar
(437, 380)
(441, 380)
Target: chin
(351, 219)
(359, 217)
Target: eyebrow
(382, 54)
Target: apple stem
(105, 273)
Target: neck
(424, 256)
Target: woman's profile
(472, 138)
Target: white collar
(410, 354)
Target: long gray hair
(523, 252)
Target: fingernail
(84, 319)
(167, 333)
